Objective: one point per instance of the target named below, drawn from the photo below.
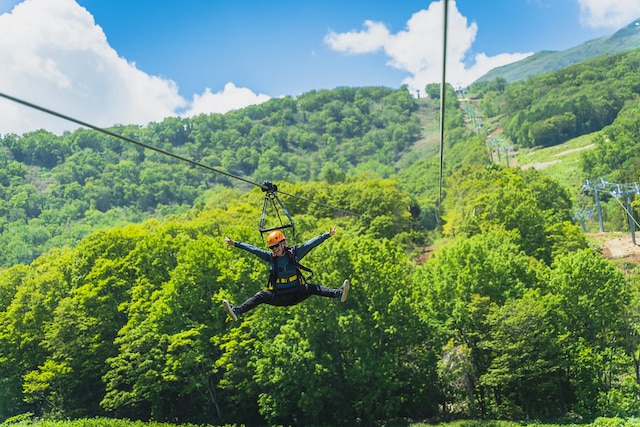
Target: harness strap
(273, 277)
(286, 279)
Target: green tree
(524, 201)
(23, 324)
(81, 334)
(453, 293)
(528, 369)
(592, 295)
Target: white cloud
(231, 98)
(373, 38)
(418, 48)
(608, 13)
(55, 56)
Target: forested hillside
(551, 108)
(129, 324)
(54, 190)
(116, 264)
(625, 39)
(600, 98)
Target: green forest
(479, 299)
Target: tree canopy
(485, 303)
(128, 324)
(554, 107)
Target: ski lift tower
(617, 191)
(581, 214)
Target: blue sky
(132, 62)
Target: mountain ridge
(625, 39)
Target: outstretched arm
(304, 248)
(262, 254)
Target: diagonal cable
(131, 140)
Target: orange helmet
(275, 237)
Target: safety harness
(273, 277)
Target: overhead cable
(131, 140)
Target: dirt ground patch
(618, 247)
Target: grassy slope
(561, 162)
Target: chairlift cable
(629, 214)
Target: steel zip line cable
(321, 204)
(131, 140)
(443, 92)
(158, 150)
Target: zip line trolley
(272, 203)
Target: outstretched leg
(323, 291)
(273, 298)
(262, 297)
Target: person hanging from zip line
(286, 286)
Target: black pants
(287, 297)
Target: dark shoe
(345, 290)
(229, 309)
